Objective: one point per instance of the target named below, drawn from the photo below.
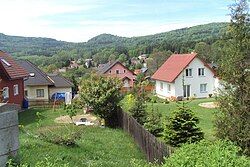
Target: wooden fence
(154, 149)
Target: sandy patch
(66, 119)
(209, 105)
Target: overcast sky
(80, 20)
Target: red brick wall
(18, 99)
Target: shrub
(128, 102)
(182, 128)
(154, 123)
(103, 95)
(206, 153)
(135, 106)
(47, 162)
(60, 135)
(70, 110)
(138, 110)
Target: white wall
(164, 93)
(53, 90)
(32, 92)
(196, 80)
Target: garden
(46, 143)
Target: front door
(186, 90)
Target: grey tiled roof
(39, 78)
(60, 81)
(106, 67)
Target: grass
(95, 147)
(205, 115)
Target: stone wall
(9, 133)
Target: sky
(80, 20)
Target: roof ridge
(43, 74)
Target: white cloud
(29, 18)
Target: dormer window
(5, 62)
(188, 72)
(32, 74)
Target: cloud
(79, 20)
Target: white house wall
(53, 90)
(164, 93)
(196, 80)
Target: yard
(205, 115)
(95, 146)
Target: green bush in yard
(207, 153)
(181, 127)
(154, 123)
(103, 95)
(60, 135)
(135, 105)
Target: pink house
(117, 69)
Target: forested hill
(31, 45)
(172, 40)
(177, 40)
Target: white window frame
(161, 85)
(201, 72)
(6, 94)
(15, 89)
(203, 88)
(39, 95)
(188, 72)
(169, 87)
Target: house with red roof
(11, 80)
(185, 75)
(118, 70)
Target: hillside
(176, 40)
(31, 45)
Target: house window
(26, 93)
(110, 71)
(169, 87)
(124, 71)
(5, 92)
(203, 88)
(40, 93)
(161, 85)
(117, 71)
(188, 72)
(201, 72)
(15, 89)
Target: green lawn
(205, 115)
(96, 146)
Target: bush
(60, 135)
(154, 99)
(135, 106)
(182, 128)
(206, 153)
(47, 162)
(154, 123)
(103, 95)
(128, 102)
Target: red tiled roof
(172, 68)
(11, 69)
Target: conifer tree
(182, 128)
(233, 118)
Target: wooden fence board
(154, 149)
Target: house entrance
(186, 90)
